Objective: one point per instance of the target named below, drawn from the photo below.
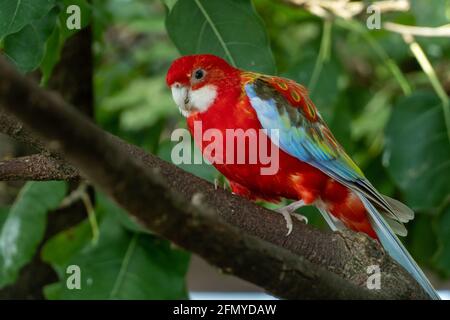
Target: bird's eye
(199, 74)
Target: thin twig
(324, 54)
(91, 215)
(348, 9)
(442, 31)
(427, 68)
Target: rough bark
(236, 235)
(37, 167)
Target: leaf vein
(124, 266)
(216, 32)
(19, 2)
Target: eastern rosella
(313, 167)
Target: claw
(300, 218)
(288, 219)
(288, 212)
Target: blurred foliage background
(370, 86)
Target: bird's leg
(288, 211)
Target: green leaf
(373, 117)
(123, 265)
(53, 291)
(38, 41)
(3, 215)
(16, 14)
(26, 48)
(105, 206)
(62, 247)
(340, 123)
(25, 225)
(169, 3)
(227, 28)
(417, 153)
(421, 240)
(52, 55)
(442, 257)
(430, 15)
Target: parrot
(313, 168)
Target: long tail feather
(396, 249)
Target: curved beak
(180, 95)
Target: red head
(195, 81)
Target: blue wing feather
(297, 142)
(305, 140)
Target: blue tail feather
(395, 248)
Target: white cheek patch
(201, 99)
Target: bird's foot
(288, 212)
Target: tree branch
(10, 126)
(188, 211)
(38, 167)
